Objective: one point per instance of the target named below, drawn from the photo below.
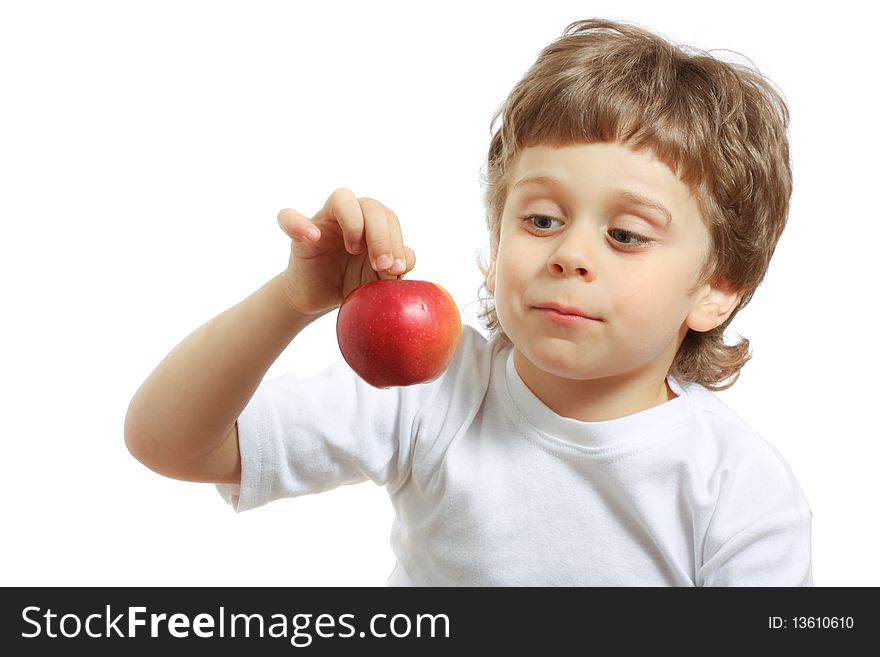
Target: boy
(635, 196)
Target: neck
(595, 400)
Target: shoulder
(475, 351)
(754, 519)
(466, 378)
(739, 461)
(457, 395)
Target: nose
(571, 258)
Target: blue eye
(543, 219)
(638, 239)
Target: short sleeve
(760, 534)
(307, 435)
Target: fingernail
(312, 233)
(383, 261)
(398, 267)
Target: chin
(556, 360)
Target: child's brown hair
(720, 126)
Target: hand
(352, 234)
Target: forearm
(189, 403)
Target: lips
(566, 310)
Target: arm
(773, 551)
(761, 528)
(181, 422)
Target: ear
(490, 275)
(712, 306)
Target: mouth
(564, 313)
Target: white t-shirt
(493, 488)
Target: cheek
(650, 299)
(509, 270)
(634, 297)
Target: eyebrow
(626, 194)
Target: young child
(635, 194)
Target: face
(585, 245)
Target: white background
(146, 148)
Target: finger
(345, 209)
(410, 263)
(397, 248)
(410, 259)
(298, 226)
(378, 234)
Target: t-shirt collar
(608, 433)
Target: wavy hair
(720, 126)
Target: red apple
(397, 332)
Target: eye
(540, 222)
(629, 239)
